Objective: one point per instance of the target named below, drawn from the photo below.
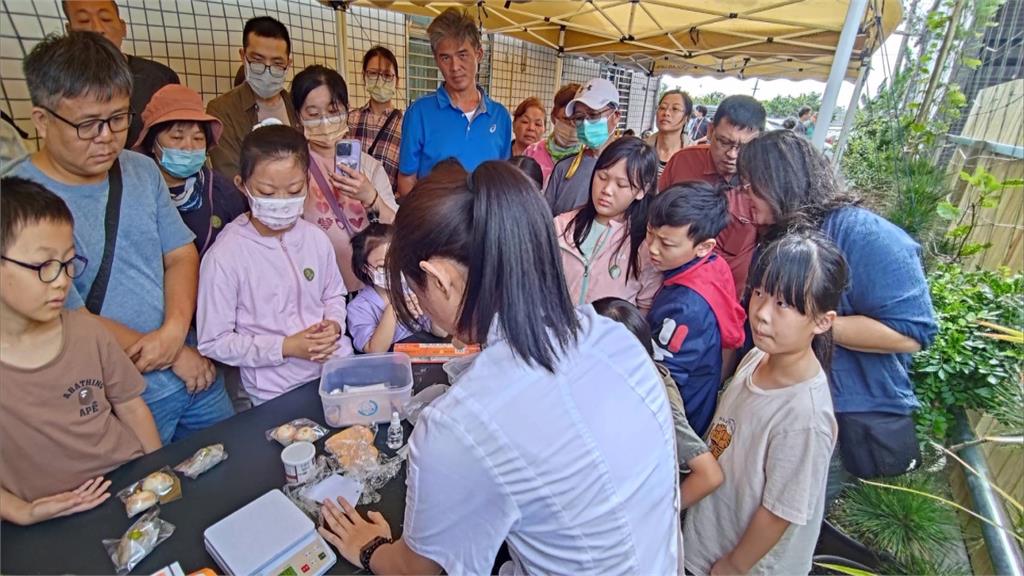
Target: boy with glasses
(141, 285)
(738, 120)
(266, 56)
(595, 113)
(71, 408)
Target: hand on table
(347, 531)
(85, 497)
(197, 372)
(315, 343)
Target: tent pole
(854, 15)
(851, 113)
(559, 57)
(341, 18)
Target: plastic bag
(298, 430)
(353, 454)
(160, 487)
(144, 535)
(204, 459)
(421, 400)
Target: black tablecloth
(73, 544)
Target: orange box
(435, 353)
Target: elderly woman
(527, 125)
(177, 133)
(562, 141)
(674, 111)
(341, 200)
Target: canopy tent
(793, 39)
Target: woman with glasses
(378, 124)
(178, 134)
(674, 111)
(341, 200)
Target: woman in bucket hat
(177, 133)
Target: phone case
(352, 159)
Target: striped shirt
(364, 125)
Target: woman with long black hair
(557, 439)
(602, 241)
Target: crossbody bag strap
(328, 193)
(383, 129)
(98, 291)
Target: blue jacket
(887, 284)
(694, 314)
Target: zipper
(587, 261)
(295, 275)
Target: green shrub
(963, 368)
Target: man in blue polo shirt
(458, 120)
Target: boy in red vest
(696, 314)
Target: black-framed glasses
(50, 270)
(728, 144)
(94, 127)
(373, 76)
(260, 68)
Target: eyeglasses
(335, 118)
(50, 270)
(728, 144)
(578, 119)
(260, 68)
(92, 128)
(373, 76)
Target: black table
(72, 544)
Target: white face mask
(276, 213)
(380, 278)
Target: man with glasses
(738, 120)
(103, 17)
(595, 113)
(142, 278)
(266, 56)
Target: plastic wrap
(141, 538)
(204, 459)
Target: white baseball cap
(596, 94)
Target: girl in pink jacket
(271, 298)
(602, 242)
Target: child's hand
(197, 372)
(725, 567)
(85, 497)
(315, 343)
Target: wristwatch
(366, 552)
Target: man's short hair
(455, 24)
(74, 65)
(742, 111)
(266, 27)
(65, 5)
(24, 203)
(702, 109)
(805, 110)
(699, 205)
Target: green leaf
(947, 210)
(843, 569)
(990, 201)
(972, 63)
(959, 231)
(1013, 183)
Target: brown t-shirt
(57, 426)
(737, 241)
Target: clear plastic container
(365, 389)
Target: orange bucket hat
(177, 103)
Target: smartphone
(347, 152)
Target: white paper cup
(298, 458)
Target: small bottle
(395, 432)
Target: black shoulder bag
(98, 291)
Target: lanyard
(327, 191)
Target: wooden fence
(993, 139)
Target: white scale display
(269, 536)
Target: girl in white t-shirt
(774, 429)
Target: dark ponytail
(495, 224)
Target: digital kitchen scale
(269, 536)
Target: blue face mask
(593, 134)
(182, 163)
